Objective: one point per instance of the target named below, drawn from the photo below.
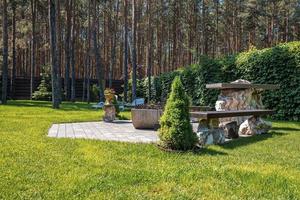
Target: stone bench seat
(231, 113)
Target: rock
(220, 105)
(230, 129)
(241, 81)
(205, 137)
(209, 136)
(218, 136)
(253, 126)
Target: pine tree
(176, 130)
(54, 53)
(5, 54)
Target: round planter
(145, 118)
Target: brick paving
(122, 131)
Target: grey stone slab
(61, 131)
(120, 131)
(53, 130)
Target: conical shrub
(175, 128)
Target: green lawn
(33, 166)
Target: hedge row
(278, 65)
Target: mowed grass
(33, 166)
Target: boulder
(254, 126)
(209, 136)
(230, 129)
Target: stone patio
(122, 131)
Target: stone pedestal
(209, 133)
(109, 113)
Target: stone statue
(109, 107)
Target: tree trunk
(88, 55)
(73, 39)
(13, 74)
(67, 50)
(133, 51)
(54, 54)
(204, 28)
(125, 66)
(5, 54)
(59, 48)
(97, 55)
(149, 50)
(215, 48)
(33, 44)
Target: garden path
(122, 131)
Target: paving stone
(119, 131)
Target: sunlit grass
(33, 166)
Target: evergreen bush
(176, 130)
(43, 91)
(94, 95)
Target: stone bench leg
(209, 132)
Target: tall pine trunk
(149, 50)
(5, 54)
(88, 55)
(97, 54)
(73, 39)
(67, 50)
(33, 44)
(133, 51)
(54, 54)
(59, 48)
(125, 65)
(13, 74)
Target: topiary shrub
(176, 130)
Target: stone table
(242, 95)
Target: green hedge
(278, 65)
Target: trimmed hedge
(278, 65)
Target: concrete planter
(146, 118)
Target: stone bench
(231, 113)
(211, 132)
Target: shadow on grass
(243, 141)
(285, 129)
(65, 106)
(211, 152)
(41, 104)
